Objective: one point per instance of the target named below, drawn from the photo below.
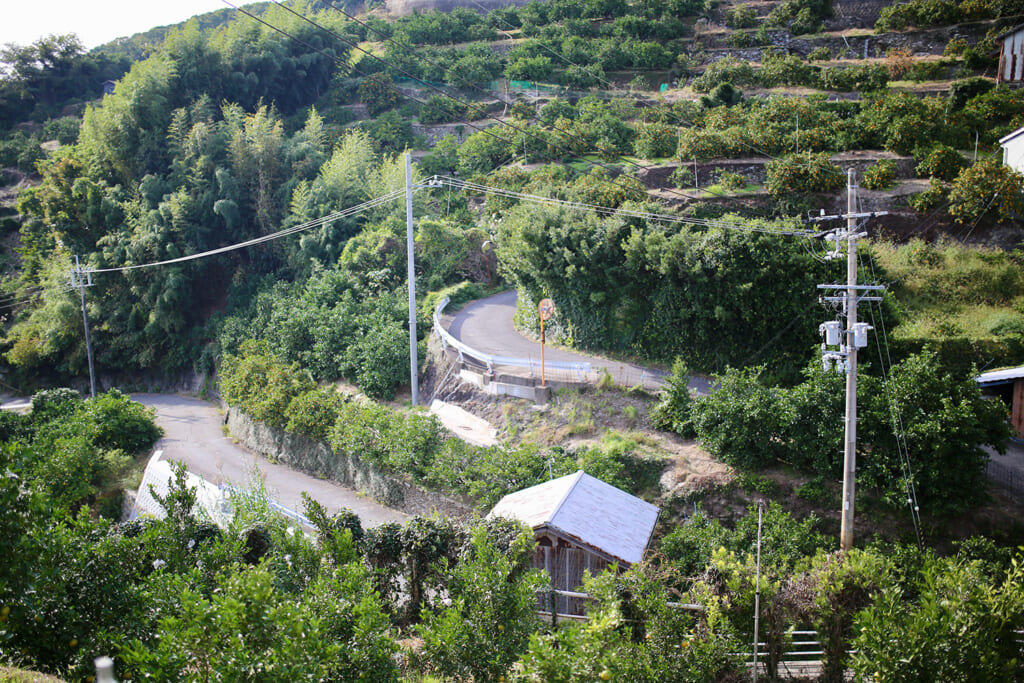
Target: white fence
(622, 374)
(578, 370)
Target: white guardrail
(581, 369)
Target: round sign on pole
(546, 309)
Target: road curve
(487, 326)
(193, 435)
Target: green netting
(416, 81)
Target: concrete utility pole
(849, 340)
(80, 280)
(850, 448)
(410, 248)
(411, 258)
(757, 587)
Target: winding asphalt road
(486, 325)
(193, 435)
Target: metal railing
(1007, 478)
(581, 370)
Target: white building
(581, 525)
(1013, 150)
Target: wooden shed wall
(1017, 407)
(1011, 58)
(565, 563)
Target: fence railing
(490, 361)
(1007, 478)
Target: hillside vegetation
(238, 201)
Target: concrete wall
(316, 458)
(754, 171)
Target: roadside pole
(849, 338)
(410, 249)
(850, 440)
(80, 280)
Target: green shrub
(961, 92)
(743, 16)
(732, 181)
(802, 174)
(880, 175)
(820, 54)
(439, 109)
(790, 70)
(261, 384)
(930, 198)
(54, 404)
(814, 491)
(740, 421)
(725, 70)
(119, 423)
(655, 140)
(955, 47)
(1005, 324)
(739, 39)
(942, 162)
(917, 13)
(989, 190)
(314, 412)
(378, 360)
(379, 93)
(673, 411)
(458, 296)
(905, 634)
(867, 78)
(492, 612)
(682, 176)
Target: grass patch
(717, 190)
(953, 290)
(12, 675)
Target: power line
(895, 414)
(614, 88)
(377, 201)
(11, 305)
(463, 185)
(442, 93)
(660, 217)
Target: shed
(1011, 55)
(109, 87)
(580, 523)
(1013, 150)
(1008, 384)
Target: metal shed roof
(585, 508)
(1004, 376)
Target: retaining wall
(317, 459)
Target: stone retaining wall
(709, 172)
(317, 459)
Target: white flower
(158, 563)
(191, 543)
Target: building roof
(160, 474)
(1008, 32)
(1004, 376)
(1010, 136)
(586, 509)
